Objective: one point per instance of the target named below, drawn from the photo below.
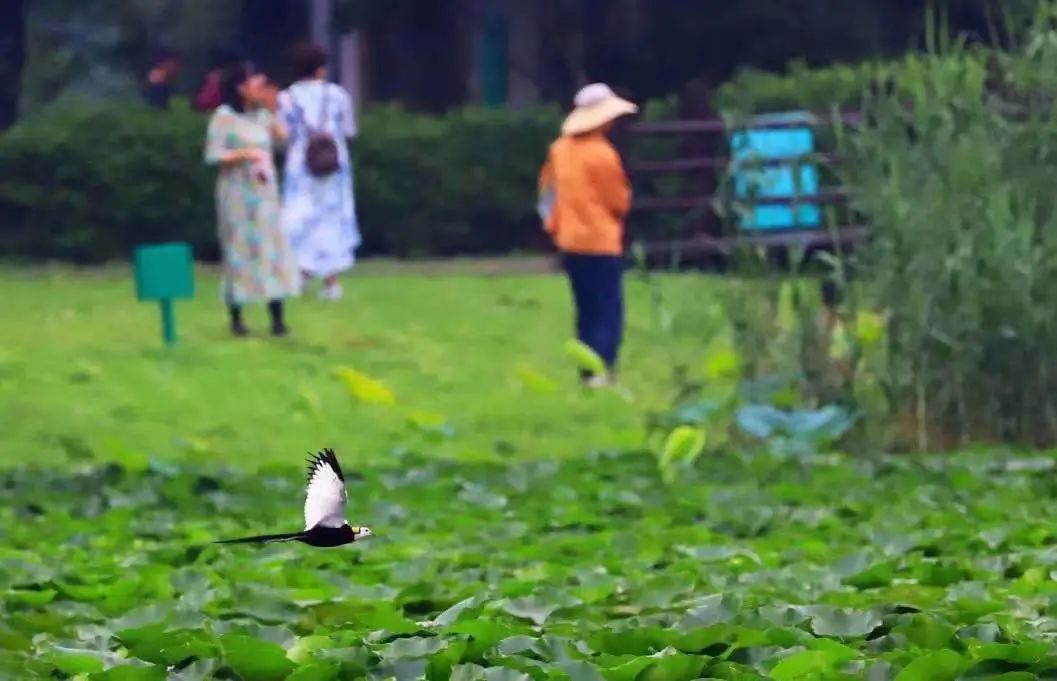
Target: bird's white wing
(325, 495)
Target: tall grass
(956, 171)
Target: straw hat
(595, 105)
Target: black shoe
(275, 311)
(238, 327)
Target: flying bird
(325, 497)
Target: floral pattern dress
(258, 262)
(319, 214)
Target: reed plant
(955, 169)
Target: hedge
(820, 89)
(752, 91)
(89, 183)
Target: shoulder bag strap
(323, 108)
(300, 112)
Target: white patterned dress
(259, 264)
(319, 214)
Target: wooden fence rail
(714, 236)
(723, 162)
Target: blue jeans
(598, 290)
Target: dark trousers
(598, 290)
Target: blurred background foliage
(651, 49)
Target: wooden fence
(716, 233)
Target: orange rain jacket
(591, 195)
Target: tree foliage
(12, 53)
(102, 49)
(423, 51)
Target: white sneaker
(597, 382)
(332, 292)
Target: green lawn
(82, 371)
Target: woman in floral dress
(258, 262)
(319, 213)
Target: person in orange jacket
(584, 199)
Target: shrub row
(90, 183)
(800, 87)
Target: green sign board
(165, 272)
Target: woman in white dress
(319, 212)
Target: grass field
(83, 373)
(524, 536)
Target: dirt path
(370, 267)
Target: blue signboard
(784, 180)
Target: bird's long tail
(287, 536)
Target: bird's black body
(322, 537)
(324, 509)
(326, 537)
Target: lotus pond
(750, 567)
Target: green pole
(168, 321)
(494, 58)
